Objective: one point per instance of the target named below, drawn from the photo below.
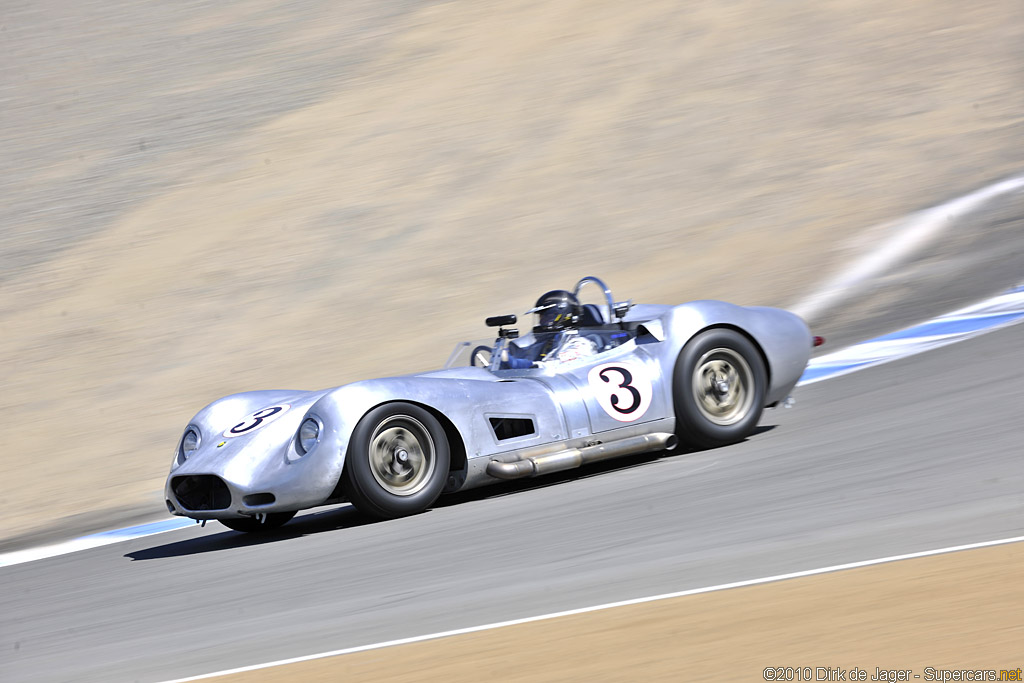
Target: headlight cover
(190, 442)
(308, 435)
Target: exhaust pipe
(575, 457)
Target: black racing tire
(480, 350)
(252, 525)
(710, 413)
(397, 461)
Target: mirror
(499, 320)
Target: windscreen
(476, 353)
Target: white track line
(606, 606)
(93, 541)
(910, 234)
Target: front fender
(262, 461)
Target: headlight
(309, 434)
(190, 442)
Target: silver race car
(587, 383)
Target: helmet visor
(553, 317)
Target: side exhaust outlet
(575, 457)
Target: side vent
(511, 427)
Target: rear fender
(783, 338)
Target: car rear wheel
(397, 461)
(272, 520)
(718, 388)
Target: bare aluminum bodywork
(265, 470)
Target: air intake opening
(255, 499)
(201, 492)
(511, 427)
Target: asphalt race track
(917, 454)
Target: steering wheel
(481, 357)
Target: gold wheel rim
(722, 386)
(401, 454)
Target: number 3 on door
(623, 390)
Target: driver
(556, 336)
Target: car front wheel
(397, 461)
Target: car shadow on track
(333, 519)
(347, 517)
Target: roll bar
(610, 313)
